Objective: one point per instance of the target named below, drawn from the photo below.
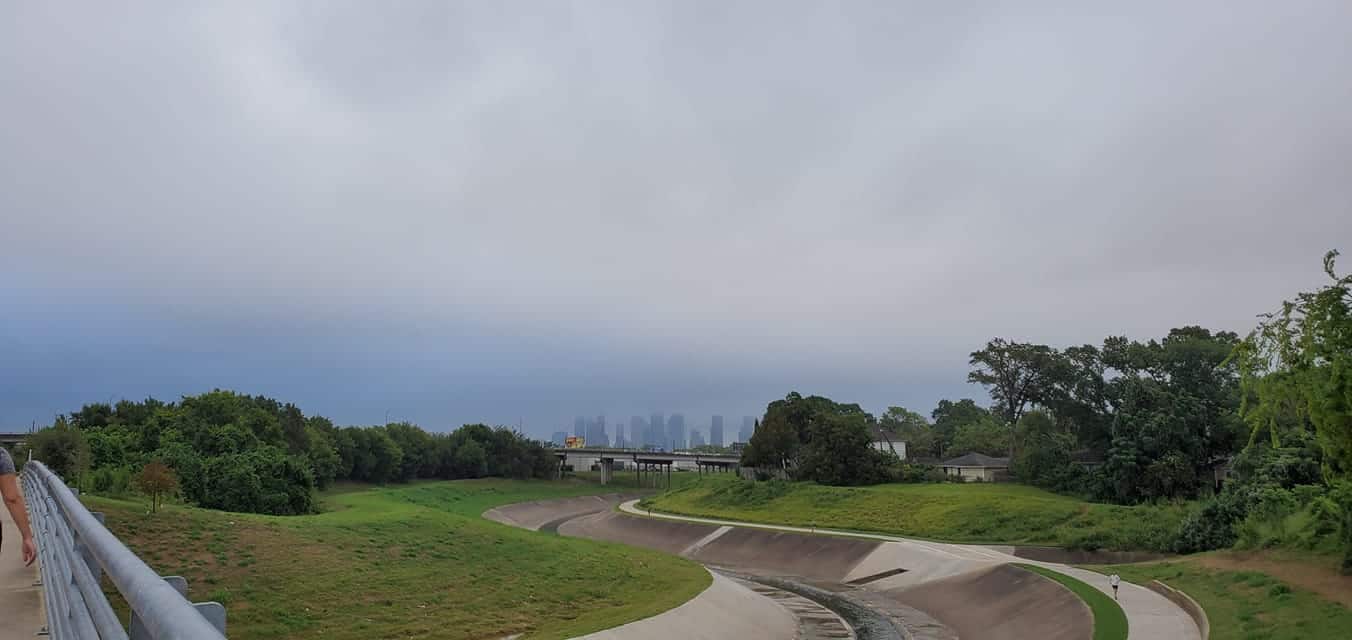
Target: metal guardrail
(75, 550)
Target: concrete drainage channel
(835, 616)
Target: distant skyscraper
(620, 442)
(657, 431)
(748, 428)
(716, 431)
(596, 433)
(560, 438)
(638, 432)
(696, 438)
(676, 431)
(580, 427)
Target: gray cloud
(755, 194)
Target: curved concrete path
(726, 609)
(1150, 616)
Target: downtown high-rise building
(675, 432)
(716, 431)
(620, 441)
(596, 433)
(657, 431)
(638, 432)
(696, 438)
(560, 438)
(580, 427)
(748, 429)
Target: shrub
(114, 481)
(1212, 526)
(157, 481)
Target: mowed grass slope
(977, 512)
(405, 562)
(1246, 605)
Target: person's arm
(9, 488)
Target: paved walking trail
(727, 609)
(20, 601)
(1150, 616)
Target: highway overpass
(645, 462)
(11, 439)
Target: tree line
(1266, 417)
(247, 453)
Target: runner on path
(1114, 580)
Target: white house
(889, 442)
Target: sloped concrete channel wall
(1003, 602)
(958, 597)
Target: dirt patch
(1298, 572)
(1002, 603)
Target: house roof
(977, 460)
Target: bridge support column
(607, 470)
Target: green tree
(416, 445)
(1175, 413)
(986, 436)
(810, 438)
(1016, 374)
(322, 455)
(1296, 370)
(63, 449)
(949, 416)
(470, 460)
(841, 453)
(912, 428)
(1044, 453)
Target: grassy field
(1110, 623)
(1246, 605)
(989, 513)
(412, 561)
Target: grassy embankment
(983, 513)
(1110, 623)
(406, 562)
(1244, 604)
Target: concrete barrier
(1186, 603)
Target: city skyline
(674, 432)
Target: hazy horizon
(524, 212)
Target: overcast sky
(503, 211)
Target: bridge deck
(20, 602)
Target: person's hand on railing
(30, 551)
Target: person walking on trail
(1114, 580)
(9, 489)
